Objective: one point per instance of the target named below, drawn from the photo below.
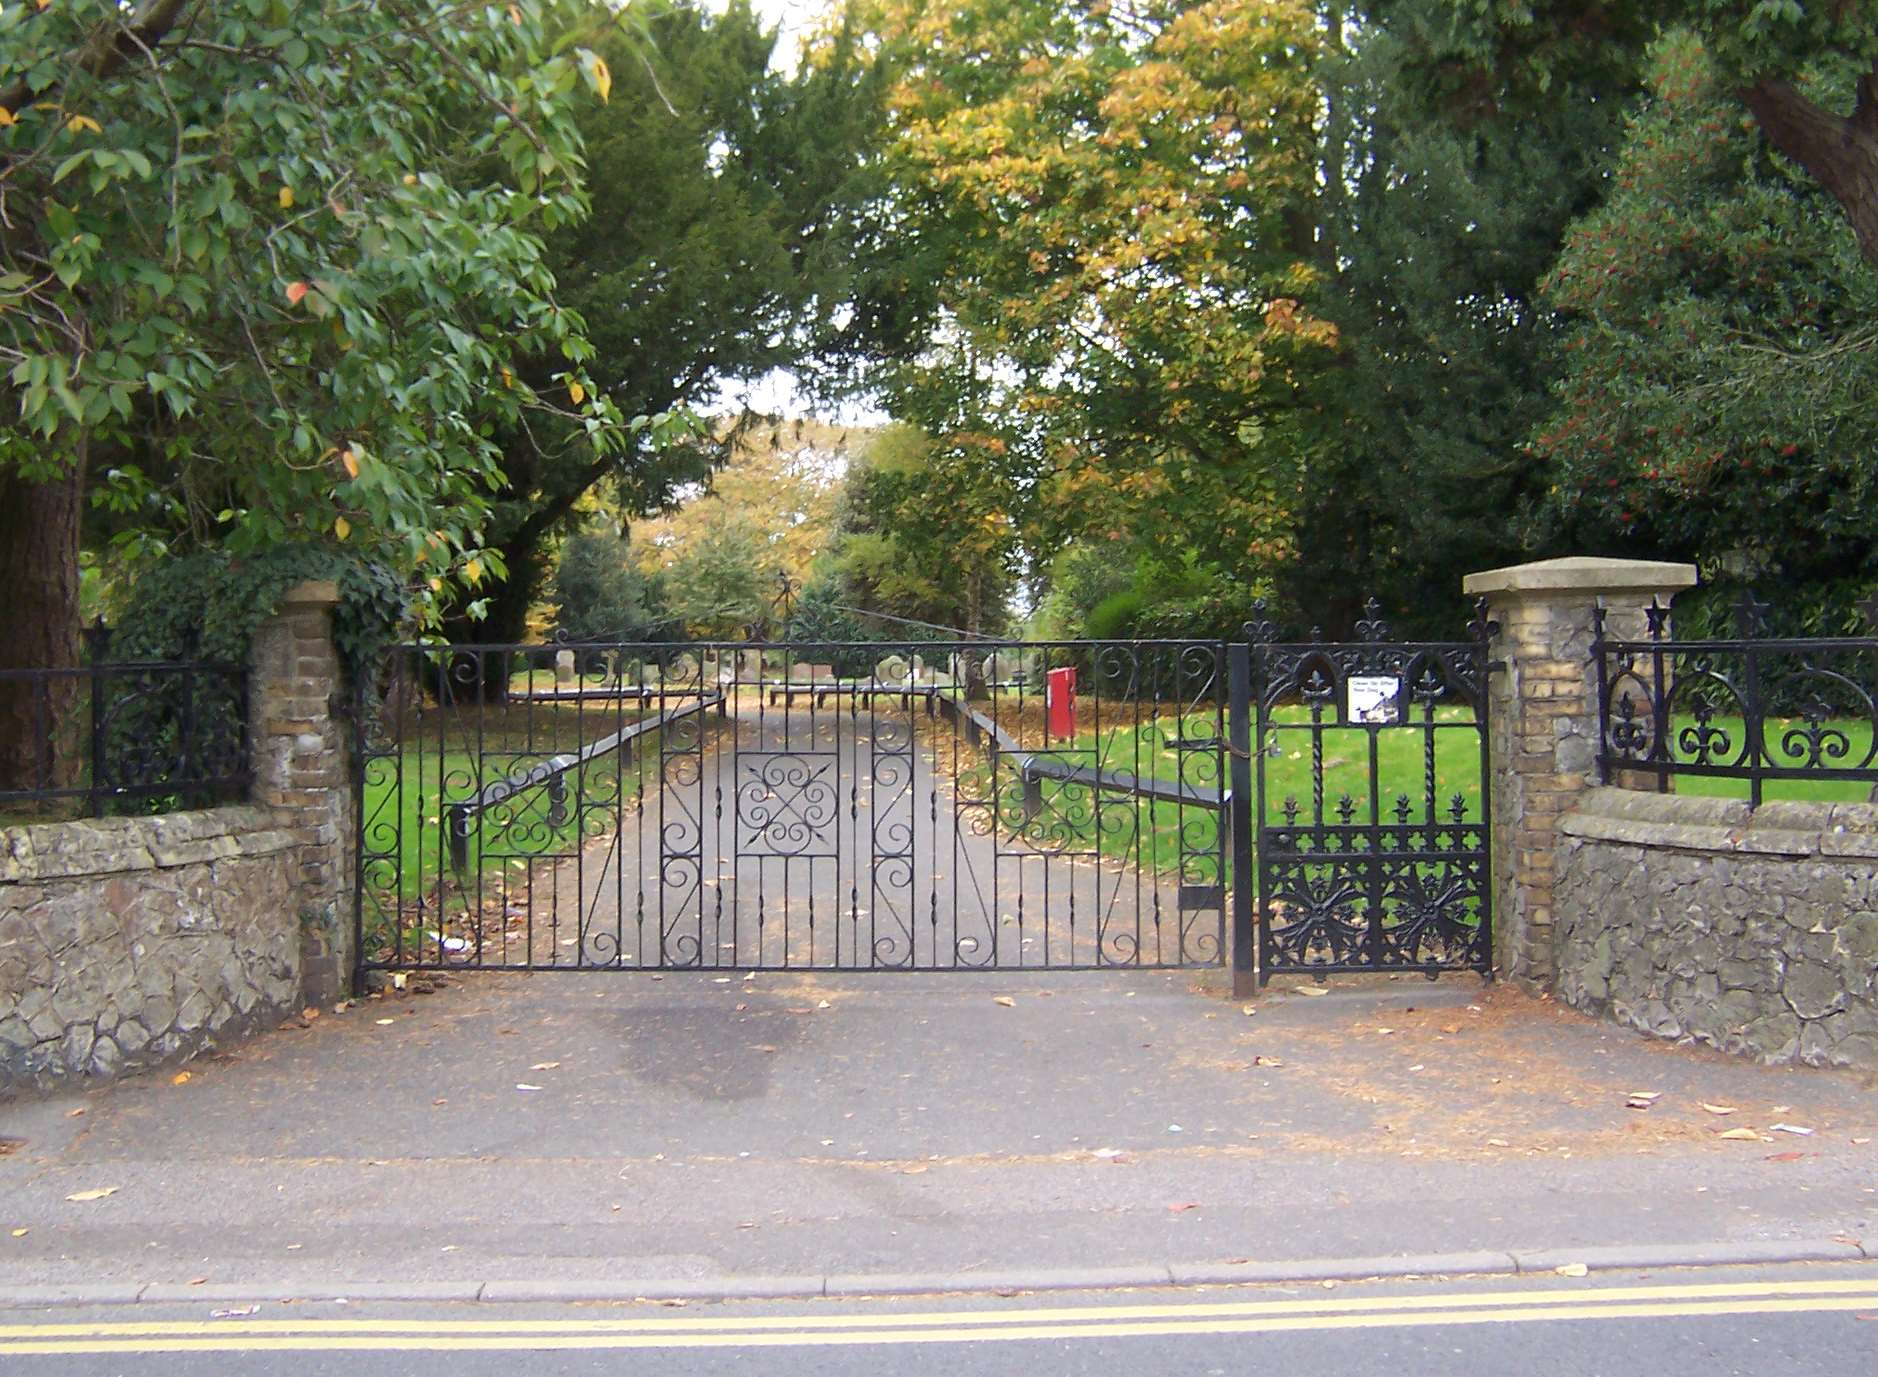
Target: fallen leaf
(98, 1194)
(309, 1014)
(524, 1085)
(824, 1005)
(1856, 1142)
(1450, 1027)
(761, 1047)
(1498, 1142)
(1718, 1108)
(1312, 990)
(1248, 1011)
(385, 1022)
(1785, 1156)
(180, 1078)
(198, 1281)
(1182, 1206)
(1267, 1061)
(1571, 1269)
(235, 1314)
(1006, 1001)
(1740, 1135)
(75, 1113)
(544, 1066)
(1385, 1031)
(21, 1233)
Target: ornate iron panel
(1372, 824)
(908, 806)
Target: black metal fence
(122, 737)
(1751, 708)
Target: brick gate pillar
(1542, 737)
(301, 757)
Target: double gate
(924, 806)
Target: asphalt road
(1794, 1321)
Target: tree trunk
(505, 620)
(1841, 152)
(41, 726)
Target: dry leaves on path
(81, 1197)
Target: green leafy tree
(601, 595)
(1806, 70)
(722, 585)
(1100, 206)
(1718, 371)
(725, 203)
(265, 270)
(922, 533)
(1440, 211)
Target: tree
(600, 595)
(724, 203)
(1104, 200)
(267, 269)
(782, 477)
(1770, 54)
(722, 586)
(1440, 211)
(1717, 375)
(924, 536)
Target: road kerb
(852, 1285)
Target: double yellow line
(1535, 1305)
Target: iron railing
(1751, 707)
(130, 737)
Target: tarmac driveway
(637, 1126)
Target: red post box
(1059, 700)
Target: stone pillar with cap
(300, 747)
(1542, 738)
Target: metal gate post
(1239, 818)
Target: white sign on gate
(1374, 698)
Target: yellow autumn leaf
(84, 124)
(601, 77)
(6, 117)
(577, 392)
(286, 198)
(436, 585)
(351, 462)
(473, 571)
(342, 528)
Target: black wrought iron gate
(926, 806)
(1372, 814)
(754, 806)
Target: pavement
(819, 1134)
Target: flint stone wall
(126, 943)
(1755, 931)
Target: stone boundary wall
(126, 943)
(129, 942)
(1752, 930)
